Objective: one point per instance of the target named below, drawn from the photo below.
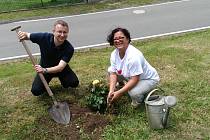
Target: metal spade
(59, 111)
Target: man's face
(60, 33)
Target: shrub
(98, 94)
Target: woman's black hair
(110, 37)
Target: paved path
(91, 29)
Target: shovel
(59, 111)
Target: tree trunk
(42, 3)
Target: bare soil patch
(84, 123)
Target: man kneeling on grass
(56, 53)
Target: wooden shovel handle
(49, 91)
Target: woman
(129, 66)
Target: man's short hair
(61, 22)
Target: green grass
(182, 61)
(9, 5)
(67, 10)
(183, 64)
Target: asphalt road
(90, 30)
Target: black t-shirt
(51, 54)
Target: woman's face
(120, 40)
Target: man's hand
(39, 69)
(23, 35)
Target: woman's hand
(109, 98)
(113, 96)
(116, 95)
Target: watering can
(158, 108)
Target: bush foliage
(98, 94)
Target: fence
(12, 5)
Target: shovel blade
(60, 113)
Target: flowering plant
(98, 94)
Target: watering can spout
(170, 101)
(165, 117)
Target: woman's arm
(112, 84)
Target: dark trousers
(67, 78)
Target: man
(56, 53)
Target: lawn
(67, 10)
(13, 5)
(182, 62)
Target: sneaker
(135, 104)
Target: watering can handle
(151, 92)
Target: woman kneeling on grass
(129, 66)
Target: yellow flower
(95, 82)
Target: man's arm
(62, 64)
